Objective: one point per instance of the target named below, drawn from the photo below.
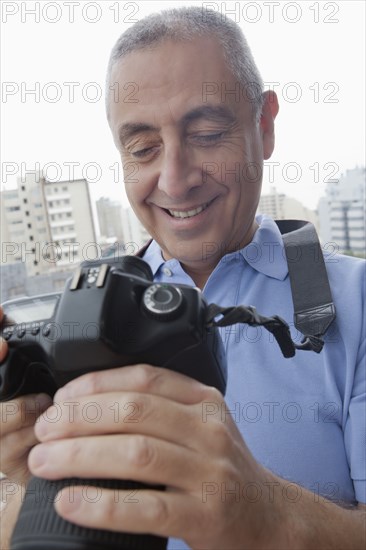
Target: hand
(152, 425)
(17, 437)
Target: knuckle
(74, 452)
(140, 403)
(92, 382)
(147, 376)
(212, 394)
(158, 513)
(220, 436)
(141, 452)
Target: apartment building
(47, 225)
(281, 207)
(135, 234)
(110, 218)
(342, 212)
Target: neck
(199, 276)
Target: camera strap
(314, 309)
(249, 315)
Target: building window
(31, 238)
(29, 225)
(25, 201)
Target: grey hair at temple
(184, 24)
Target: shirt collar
(265, 253)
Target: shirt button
(167, 271)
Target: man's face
(191, 150)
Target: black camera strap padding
(314, 309)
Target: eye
(209, 139)
(141, 153)
(145, 153)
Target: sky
(53, 65)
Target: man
(286, 469)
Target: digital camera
(111, 314)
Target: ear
(268, 115)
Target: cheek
(135, 186)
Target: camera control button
(162, 301)
(92, 276)
(35, 330)
(21, 332)
(46, 330)
(8, 333)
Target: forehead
(165, 82)
(201, 59)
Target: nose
(178, 175)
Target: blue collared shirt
(303, 418)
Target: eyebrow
(130, 129)
(214, 113)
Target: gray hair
(184, 24)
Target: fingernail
(68, 501)
(38, 458)
(42, 424)
(64, 393)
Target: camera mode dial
(163, 302)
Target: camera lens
(162, 301)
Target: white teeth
(188, 213)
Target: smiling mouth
(188, 213)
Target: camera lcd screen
(31, 309)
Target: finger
(3, 348)
(22, 412)
(144, 511)
(143, 459)
(141, 378)
(15, 446)
(137, 413)
(14, 452)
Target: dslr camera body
(110, 314)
